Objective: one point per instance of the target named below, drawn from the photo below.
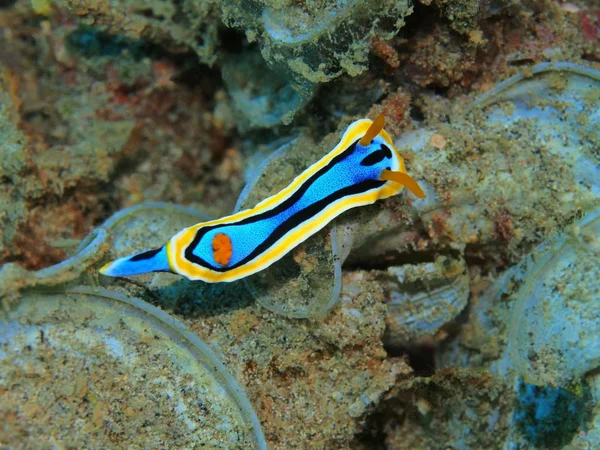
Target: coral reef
(317, 41)
(465, 320)
(116, 113)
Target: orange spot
(438, 141)
(222, 249)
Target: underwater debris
(539, 321)
(282, 363)
(528, 146)
(523, 322)
(463, 208)
(181, 388)
(288, 364)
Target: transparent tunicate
(306, 282)
(554, 335)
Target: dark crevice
(147, 12)
(420, 358)
(392, 258)
(232, 40)
(416, 113)
(389, 412)
(489, 258)
(439, 90)
(91, 43)
(591, 57)
(522, 62)
(373, 436)
(188, 72)
(423, 17)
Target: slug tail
(149, 261)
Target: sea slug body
(362, 168)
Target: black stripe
(189, 251)
(295, 197)
(377, 156)
(307, 213)
(145, 255)
(295, 220)
(292, 221)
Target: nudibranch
(363, 168)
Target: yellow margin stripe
(178, 243)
